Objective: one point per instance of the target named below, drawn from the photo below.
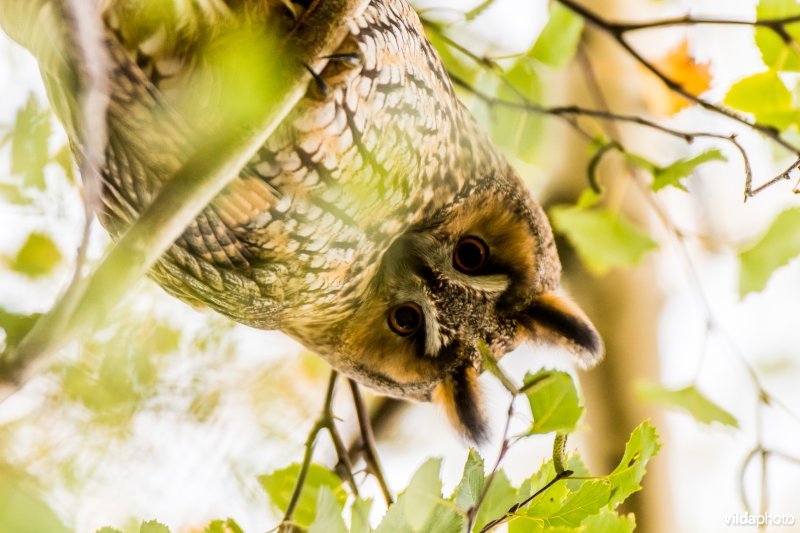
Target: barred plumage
(356, 227)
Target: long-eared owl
(378, 226)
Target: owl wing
(149, 141)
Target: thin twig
(324, 421)
(618, 35)
(91, 64)
(775, 24)
(368, 442)
(472, 513)
(517, 506)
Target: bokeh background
(172, 414)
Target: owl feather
(378, 225)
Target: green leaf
(499, 499)
(29, 143)
(779, 245)
(642, 446)
(674, 173)
(469, 489)
(280, 484)
(557, 43)
(586, 501)
(421, 508)
(37, 257)
(223, 526)
(423, 494)
(153, 526)
(688, 398)
(547, 472)
(329, 514)
(108, 529)
(559, 508)
(766, 97)
(776, 53)
(603, 239)
(21, 506)
(15, 326)
(608, 521)
(554, 401)
(359, 516)
(515, 130)
(543, 505)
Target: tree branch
(368, 442)
(318, 33)
(618, 35)
(325, 421)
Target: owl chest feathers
(303, 228)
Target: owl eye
(471, 255)
(405, 319)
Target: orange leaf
(680, 65)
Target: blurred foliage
(779, 245)
(775, 51)
(21, 506)
(603, 239)
(279, 486)
(689, 399)
(767, 98)
(14, 327)
(29, 140)
(558, 41)
(38, 256)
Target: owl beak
(555, 318)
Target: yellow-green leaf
(499, 498)
(559, 39)
(329, 514)
(22, 507)
(223, 526)
(689, 399)
(280, 484)
(29, 143)
(554, 401)
(626, 477)
(775, 52)
(603, 239)
(152, 526)
(37, 257)
(672, 174)
(514, 130)
(359, 516)
(766, 97)
(610, 522)
(779, 245)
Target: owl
(378, 226)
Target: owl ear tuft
(460, 395)
(559, 315)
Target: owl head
(482, 268)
